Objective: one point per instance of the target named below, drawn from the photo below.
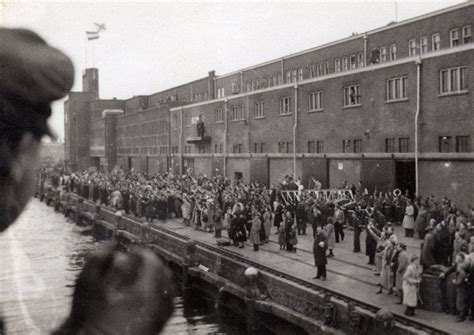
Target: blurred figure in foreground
(116, 293)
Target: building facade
(391, 107)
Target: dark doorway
(129, 163)
(238, 175)
(405, 176)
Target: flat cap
(33, 74)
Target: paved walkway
(348, 272)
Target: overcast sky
(148, 47)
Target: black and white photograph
(236, 167)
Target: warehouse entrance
(405, 176)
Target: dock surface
(348, 272)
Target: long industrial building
(391, 107)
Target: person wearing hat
(410, 285)
(138, 284)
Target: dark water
(40, 257)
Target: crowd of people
(252, 212)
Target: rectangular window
(326, 67)
(351, 96)
(357, 146)
(345, 64)
(383, 54)
(315, 102)
(466, 34)
(237, 148)
(453, 80)
(311, 147)
(294, 76)
(285, 106)
(288, 76)
(396, 89)
(300, 74)
(444, 144)
(393, 51)
(319, 71)
(219, 115)
(220, 93)
(259, 109)
(360, 59)
(389, 145)
(353, 63)
(404, 144)
(263, 148)
(280, 78)
(424, 44)
(463, 143)
(435, 42)
(285, 147)
(187, 120)
(319, 147)
(259, 148)
(337, 65)
(346, 146)
(412, 48)
(249, 86)
(454, 35)
(312, 71)
(238, 113)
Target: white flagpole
(93, 53)
(85, 52)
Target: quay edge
(268, 299)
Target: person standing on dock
(320, 246)
(411, 282)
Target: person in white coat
(411, 282)
(409, 219)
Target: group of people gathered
(252, 212)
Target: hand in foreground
(121, 293)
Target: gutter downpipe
(181, 143)
(365, 49)
(226, 110)
(417, 114)
(295, 126)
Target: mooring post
(118, 224)
(189, 261)
(384, 321)
(251, 295)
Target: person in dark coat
(278, 218)
(149, 210)
(301, 217)
(320, 246)
(370, 242)
(357, 231)
(288, 224)
(126, 200)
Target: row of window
(143, 129)
(151, 151)
(349, 62)
(458, 36)
(452, 80)
(402, 145)
(454, 144)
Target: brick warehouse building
(379, 107)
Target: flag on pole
(92, 35)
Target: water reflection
(41, 256)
